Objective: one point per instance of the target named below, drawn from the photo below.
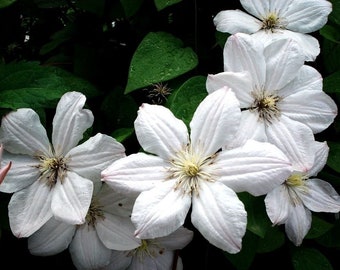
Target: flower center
(148, 248)
(296, 180)
(51, 169)
(272, 22)
(266, 104)
(190, 169)
(95, 212)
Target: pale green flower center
(271, 22)
(52, 169)
(296, 180)
(190, 168)
(266, 104)
(147, 248)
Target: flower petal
(70, 122)
(4, 171)
(117, 232)
(22, 133)
(29, 209)
(321, 196)
(72, 198)
(120, 260)
(23, 172)
(160, 211)
(159, 131)
(94, 155)
(52, 238)
(316, 109)
(321, 150)
(262, 9)
(294, 139)
(215, 121)
(135, 173)
(176, 240)
(235, 21)
(298, 224)
(256, 167)
(306, 16)
(283, 61)
(223, 222)
(239, 82)
(87, 251)
(277, 205)
(243, 52)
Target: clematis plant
(276, 19)
(184, 172)
(53, 180)
(274, 86)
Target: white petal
(52, 238)
(70, 122)
(160, 211)
(256, 167)
(306, 79)
(219, 216)
(94, 155)
(321, 155)
(251, 127)
(23, 172)
(321, 196)
(298, 223)
(135, 173)
(316, 109)
(117, 232)
(87, 251)
(277, 204)
(176, 240)
(22, 133)
(119, 261)
(263, 8)
(283, 60)
(235, 21)
(240, 82)
(307, 16)
(72, 198)
(242, 53)
(294, 139)
(215, 121)
(159, 131)
(29, 209)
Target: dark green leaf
(332, 237)
(273, 239)
(5, 3)
(331, 84)
(331, 33)
(310, 259)
(161, 4)
(334, 156)
(159, 57)
(319, 227)
(131, 6)
(122, 134)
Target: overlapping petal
(265, 7)
(256, 167)
(278, 205)
(176, 240)
(321, 150)
(215, 121)
(160, 211)
(135, 173)
(223, 223)
(70, 122)
(29, 209)
(22, 133)
(71, 198)
(159, 131)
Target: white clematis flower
(158, 253)
(193, 171)
(274, 87)
(107, 227)
(271, 20)
(53, 179)
(292, 202)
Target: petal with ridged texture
(277, 205)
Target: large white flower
(274, 87)
(193, 171)
(158, 253)
(53, 180)
(292, 202)
(107, 227)
(278, 19)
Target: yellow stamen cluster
(52, 169)
(272, 22)
(95, 211)
(148, 248)
(266, 104)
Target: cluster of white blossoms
(254, 132)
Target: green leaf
(162, 4)
(335, 14)
(330, 55)
(331, 239)
(331, 83)
(94, 6)
(334, 156)
(183, 102)
(50, 3)
(28, 84)
(331, 33)
(309, 259)
(318, 228)
(159, 57)
(122, 134)
(5, 3)
(273, 239)
(131, 7)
